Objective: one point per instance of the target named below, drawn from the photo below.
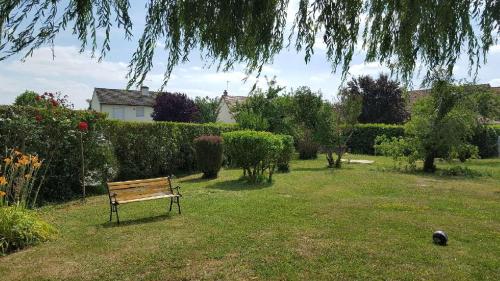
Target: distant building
(128, 105)
(418, 94)
(226, 104)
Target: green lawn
(363, 222)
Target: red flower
(38, 118)
(54, 102)
(83, 126)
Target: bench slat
(140, 191)
(160, 196)
(138, 185)
(136, 181)
(135, 197)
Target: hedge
(151, 149)
(52, 134)
(363, 137)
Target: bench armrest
(178, 190)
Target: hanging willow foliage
(401, 34)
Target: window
(139, 111)
(118, 112)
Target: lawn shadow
(310, 169)
(196, 180)
(238, 185)
(142, 220)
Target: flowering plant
(18, 172)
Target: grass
(364, 222)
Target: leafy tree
(442, 122)
(175, 107)
(266, 110)
(208, 109)
(335, 126)
(29, 98)
(396, 33)
(306, 105)
(383, 101)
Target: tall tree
(396, 33)
(442, 122)
(208, 109)
(383, 100)
(175, 107)
(29, 98)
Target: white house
(226, 104)
(129, 105)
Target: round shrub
(20, 228)
(209, 154)
(256, 152)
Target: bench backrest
(136, 189)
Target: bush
(52, 133)
(19, 228)
(307, 147)
(364, 135)
(256, 152)
(485, 138)
(209, 155)
(459, 171)
(286, 155)
(152, 149)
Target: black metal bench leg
(117, 217)
(179, 204)
(171, 202)
(110, 212)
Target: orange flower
(2, 194)
(3, 181)
(37, 165)
(17, 152)
(24, 160)
(7, 161)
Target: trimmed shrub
(152, 149)
(52, 134)
(364, 135)
(209, 155)
(20, 228)
(286, 154)
(485, 138)
(256, 152)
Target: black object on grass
(440, 238)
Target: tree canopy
(383, 100)
(399, 34)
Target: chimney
(145, 90)
(225, 93)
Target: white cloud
(495, 49)
(70, 73)
(371, 68)
(494, 82)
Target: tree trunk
(329, 158)
(429, 166)
(338, 162)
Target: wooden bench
(141, 190)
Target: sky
(76, 74)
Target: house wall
(225, 115)
(94, 103)
(129, 112)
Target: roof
(417, 94)
(231, 101)
(125, 97)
